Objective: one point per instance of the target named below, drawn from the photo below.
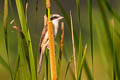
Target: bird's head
(55, 18)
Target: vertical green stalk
(48, 14)
(46, 57)
(78, 11)
(91, 32)
(79, 68)
(115, 67)
(25, 31)
(22, 59)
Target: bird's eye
(54, 17)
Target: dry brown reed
(75, 65)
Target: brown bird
(44, 40)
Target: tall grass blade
(78, 13)
(78, 9)
(91, 32)
(47, 62)
(79, 58)
(110, 40)
(83, 58)
(75, 65)
(81, 64)
(27, 37)
(79, 68)
(18, 59)
(22, 59)
(116, 67)
(80, 35)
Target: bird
(44, 39)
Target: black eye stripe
(55, 17)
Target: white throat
(55, 24)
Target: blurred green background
(102, 58)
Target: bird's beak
(61, 17)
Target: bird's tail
(40, 61)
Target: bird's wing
(43, 33)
